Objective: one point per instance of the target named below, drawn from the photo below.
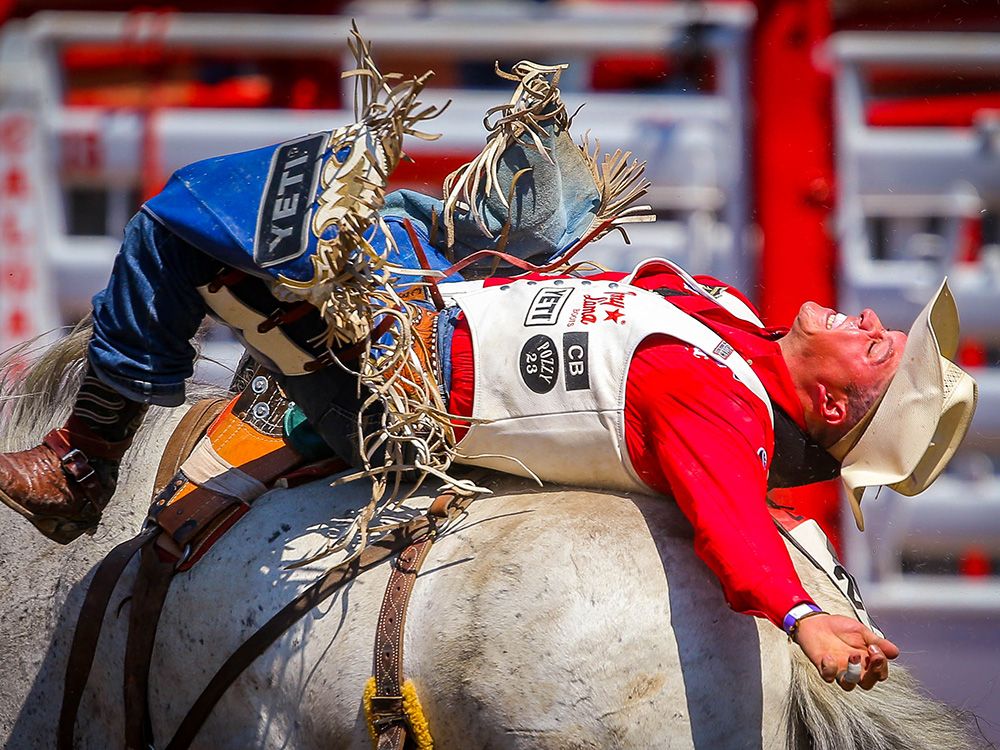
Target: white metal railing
(959, 514)
(899, 173)
(482, 31)
(907, 180)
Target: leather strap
(373, 555)
(226, 277)
(76, 466)
(524, 265)
(185, 437)
(418, 248)
(91, 617)
(202, 513)
(387, 703)
(350, 353)
(285, 315)
(88, 631)
(244, 442)
(194, 513)
(150, 592)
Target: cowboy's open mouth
(833, 320)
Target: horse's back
(541, 620)
(555, 619)
(585, 620)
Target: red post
(793, 153)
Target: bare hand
(832, 643)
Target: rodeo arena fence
(918, 192)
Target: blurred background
(835, 150)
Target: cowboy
(295, 247)
(657, 380)
(652, 380)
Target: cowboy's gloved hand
(844, 650)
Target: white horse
(556, 618)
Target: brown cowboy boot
(63, 485)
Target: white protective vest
(551, 361)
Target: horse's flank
(555, 619)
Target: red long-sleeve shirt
(695, 434)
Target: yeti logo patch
(539, 363)
(546, 306)
(283, 219)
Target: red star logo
(614, 315)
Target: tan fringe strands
(535, 105)
(349, 276)
(619, 184)
(352, 282)
(352, 288)
(415, 432)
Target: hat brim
(923, 416)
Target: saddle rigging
(224, 454)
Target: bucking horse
(548, 618)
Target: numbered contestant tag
(809, 538)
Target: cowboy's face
(839, 349)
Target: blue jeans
(146, 317)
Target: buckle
(185, 556)
(77, 465)
(386, 711)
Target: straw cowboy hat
(908, 437)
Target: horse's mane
(39, 380)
